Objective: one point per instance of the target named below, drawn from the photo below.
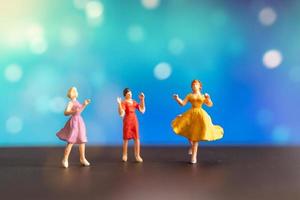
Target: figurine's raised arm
(85, 103)
(120, 107)
(142, 106)
(68, 110)
(180, 101)
(208, 100)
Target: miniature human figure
(126, 110)
(74, 131)
(195, 124)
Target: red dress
(130, 121)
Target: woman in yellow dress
(195, 124)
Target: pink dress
(74, 131)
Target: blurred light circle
(135, 33)
(176, 46)
(272, 59)
(35, 31)
(267, 16)
(281, 134)
(162, 71)
(38, 46)
(36, 40)
(94, 9)
(14, 124)
(57, 104)
(69, 36)
(294, 74)
(150, 4)
(13, 73)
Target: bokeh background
(246, 53)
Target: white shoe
(138, 159)
(193, 161)
(124, 158)
(85, 163)
(65, 163)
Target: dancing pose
(126, 110)
(195, 124)
(74, 131)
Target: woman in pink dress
(127, 110)
(74, 131)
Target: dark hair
(196, 81)
(125, 91)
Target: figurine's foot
(84, 162)
(138, 159)
(190, 151)
(65, 163)
(124, 158)
(193, 160)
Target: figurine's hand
(206, 96)
(119, 100)
(142, 96)
(87, 101)
(175, 96)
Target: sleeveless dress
(195, 124)
(130, 121)
(74, 131)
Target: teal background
(48, 46)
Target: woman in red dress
(130, 122)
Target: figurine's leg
(194, 152)
(67, 152)
(125, 147)
(83, 160)
(190, 149)
(137, 150)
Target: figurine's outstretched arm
(86, 102)
(180, 101)
(208, 100)
(120, 107)
(142, 107)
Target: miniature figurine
(195, 124)
(74, 131)
(126, 110)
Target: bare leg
(67, 152)
(137, 150)
(125, 147)
(83, 160)
(194, 152)
(190, 149)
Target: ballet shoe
(124, 158)
(84, 162)
(65, 163)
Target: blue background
(103, 46)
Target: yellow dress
(195, 124)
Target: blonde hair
(70, 91)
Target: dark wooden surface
(221, 173)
